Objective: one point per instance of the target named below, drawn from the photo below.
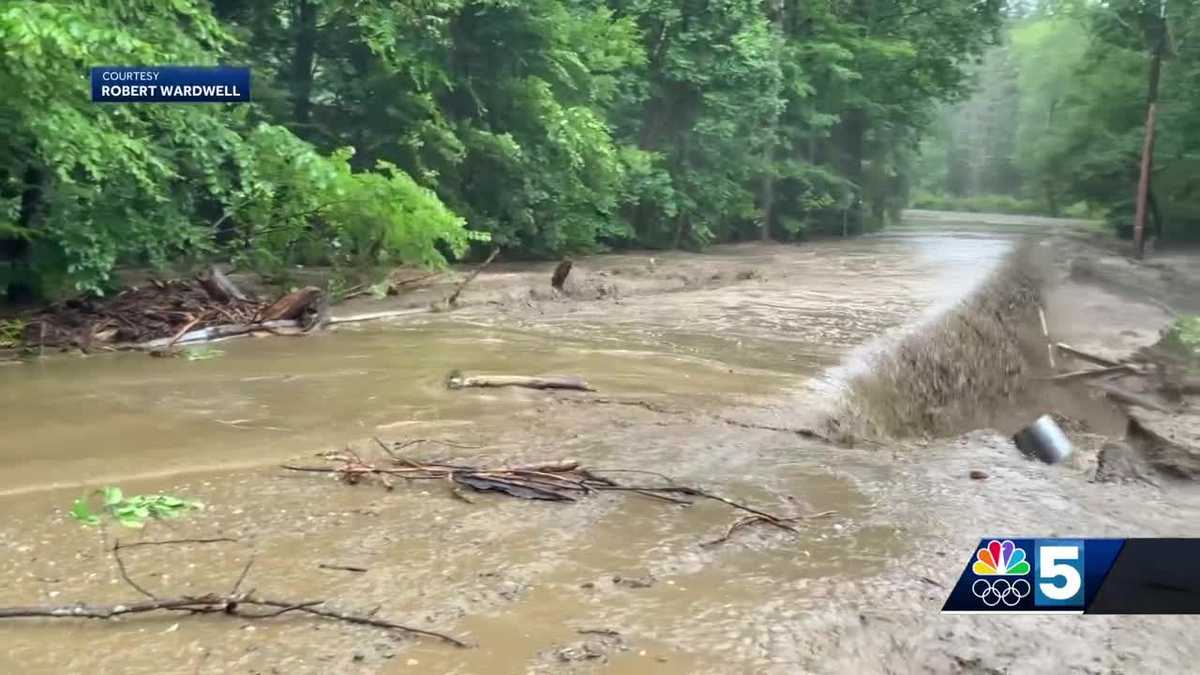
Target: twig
(213, 603)
(364, 620)
(116, 551)
(452, 444)
(454, 489)
(177, 541)
(607, 632)
(344, 568)
(242, 576)
(754, 519)
(184, 330)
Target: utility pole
(1143, 188)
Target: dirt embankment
(1119, 391)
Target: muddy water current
(519, 580)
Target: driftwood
(214, 333)
(220, 288)
(372, 316)
(1080, 354)
(232, 603)
(292, 305)
(1046, 334)
(453, 299)
(560, 274)
(1094, 372)
(457, 380)
(559, 481)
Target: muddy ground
(705, 365)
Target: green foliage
(1185, 335)
(141, 183)
(12, 333)
(132, 511)
(978, 203)
(387, 132)
(1079, 73)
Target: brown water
(518, 579)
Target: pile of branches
(557, 481)
(162, 311)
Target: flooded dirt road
(703, 364)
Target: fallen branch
(457, 380)
(1080, 354)
(212, 603)
(165, 542)
(562, 481)
(232, 603)
(213, 333)
(1093, 372)
(1046, 334)
(453, 299)
(372, 316)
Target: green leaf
(83, 513)
(112, 496)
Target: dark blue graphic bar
(1080, 576)
(170, 84)
(1152, 576)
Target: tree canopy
(1060, 112)
(402, 131)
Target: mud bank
(965, 369)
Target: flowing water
(518, 579)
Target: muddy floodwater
(700, 380)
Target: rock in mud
(1170, 443)
(583, 651)
(634, 582)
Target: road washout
(608, 584)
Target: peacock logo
(1000, 558)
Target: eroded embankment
(967, 368)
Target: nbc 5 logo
(1058, 566)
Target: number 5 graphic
(1059, 573)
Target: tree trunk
(851, 133)
(303, 58)
(292, 305)
(1147, 164)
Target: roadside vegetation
(385, 132)
(424, 132)
(1056, 123)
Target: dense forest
(1056, 121)
(405, 131)
(387, 131)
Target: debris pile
(558, 481)
(162, 313)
